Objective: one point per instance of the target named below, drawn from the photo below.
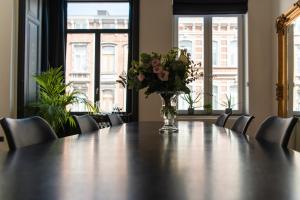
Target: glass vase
(168, 112)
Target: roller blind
(207, 7)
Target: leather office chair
(242, 123)
(28, 131)
(86, 123)
(276, 130)
(115, 119)
(222, 119)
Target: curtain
(205, 7)
(53, 33)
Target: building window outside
(108, 24)
(216, 53)
(107, 100)
(216, 96)
(232, 54)
(79, 57)
(83, 88)
(97, 55)
(80, 24)
(233, 88)
(108, 58)
(221, 53)
(186, 44)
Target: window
(80, 24)
(216, 53)
(107, 100)
(190, 37)
(108, 24)
(232, 54)
(83, 88)
(216, 96)
(108, 58)
(79, 58)
(97, 51)
(186, 44)
(216, 42)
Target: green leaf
(54, 98)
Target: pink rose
(155, 62)
(157, 69)
(163, 76)
(141, 77)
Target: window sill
(203, 117)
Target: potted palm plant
(191, 101)
(54, 98)
(228, 104)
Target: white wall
(156, 35)
(8, 57)
(260, 66)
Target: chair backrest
(28, 131)
(115, 119)
(241, 124)
(276, 130)
(86, 123)
(222, 119)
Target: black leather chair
(86, 123)
(222, 119)
(28, 131)
(276, 130)
(242, 123)
(115, 119)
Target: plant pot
(191, 111)
(228, 110)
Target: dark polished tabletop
(134, 162)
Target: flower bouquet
(167, 75)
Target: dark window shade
(95, 1)
(208, 7)
(53, 34)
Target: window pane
(225, 61)
(98, 15)
(296, 100)
(108, 58)
(80, 66)
(190, 37)
(114, 62)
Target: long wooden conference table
(134, 162)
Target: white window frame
(208, 63)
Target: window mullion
(207, 60)
(97, 66)
(241, 65)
